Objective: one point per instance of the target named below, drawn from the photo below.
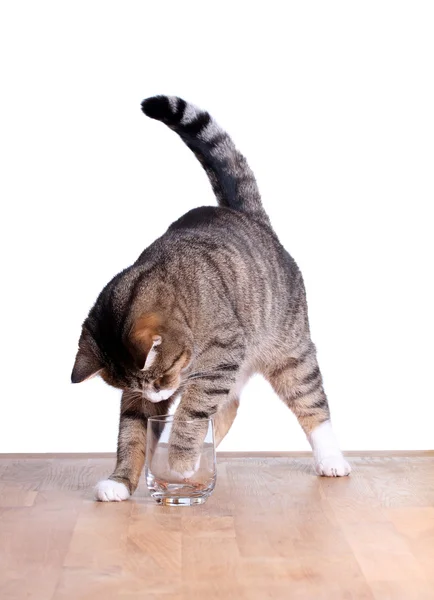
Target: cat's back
(219, 231)
(202, 218)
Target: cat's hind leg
(297, 381)
(224, 419)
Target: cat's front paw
(111, 491)
(183, 468)
(332, 466)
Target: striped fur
(231, 178)
(214, 300)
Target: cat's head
(150, 358)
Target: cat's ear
(145, 336)
(87, 363)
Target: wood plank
(270, 530)
(230, 454)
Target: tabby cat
(214, 300)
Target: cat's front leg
(131, 447)
(200, 401)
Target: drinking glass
(168, 487)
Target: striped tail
(231, 178)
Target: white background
(333, 104)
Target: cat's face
(144, 363)
(155, 382)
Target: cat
(212, 301)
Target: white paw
(111, 491)
(332, 466)
(177, 473)
(187, 474)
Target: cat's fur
(214, 300)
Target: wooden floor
(271, 530)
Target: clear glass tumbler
(168, 487)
